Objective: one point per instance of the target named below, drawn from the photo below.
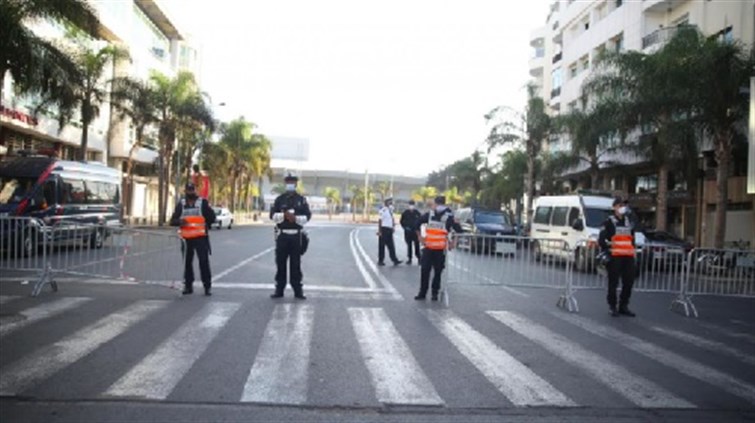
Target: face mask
(391, 207)
(290, 187)
(440, 208)
(411, 207)
(622, 210)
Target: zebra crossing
(397, 370)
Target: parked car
(224, 218)
(69, 201)
(567, 226)
(494, 225)
(663, 250)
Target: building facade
(153, 42)
(564, 54)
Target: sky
(390, 86)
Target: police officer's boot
(207, 290)
(299, 294)
(277, 294)
(435, 296)
(187, 290)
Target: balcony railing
(555, 92)
(557, 57)
(662, 35)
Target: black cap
(388, 200)
(617, 201)
(190, 187)
(440, 200)
(290, 178)
(411, 202)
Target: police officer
(439, 222)
(289, 212)
(194, 216)
(386, 227)
(617, 238)
(409, 219)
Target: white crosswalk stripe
(280, 371)
(46, 361)
(515, 380)
(668, 358)
(396, 375)
(41, 312)
(636, 389)
(706, 344)
(157, 375)
(7, 298)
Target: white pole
(366, 194)
(751, 157)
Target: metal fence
(89, 252)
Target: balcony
(661, 36)
(537, 65)
(557, 57)
(657, 6)
(556, 92)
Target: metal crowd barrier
(723, 272)
(85, 251)
(482, 259)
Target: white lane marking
(365, 274)
(242, 263)
(386, 283)
(668, 358)
(725, 331)
(7, 298)
(512, 378)
(396, 375)
(323, 288)
(48, 360)
(158, 373)
(706, 344)
(280, 371)
(492, 282)
(636, 389)
(40, 312)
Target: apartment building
(565, 50)
(154, 43)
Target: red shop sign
(19, 116)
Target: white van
(574, 219)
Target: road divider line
(396, 375)
(41, 312)
(157, 374)
(365, 274)
(668, 358)
(706, 344)
(328, 288)
(242, 263)
(32, 368)
(636, 389)
(386, 283)
(519, 384)
(279, 374)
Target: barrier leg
(567, 300)
(44, 279)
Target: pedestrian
(439, 223)
(386, 227)
(617, 240)
(409, 219)
(194, 216)
(290, 212)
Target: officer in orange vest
(194, 216)
(617, 238)
(439, 222)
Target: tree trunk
(160, 191)
(260, 197)
(233, 194)
(661, 209)
(84, 141)
(128, 192)
(530, 186)
(723, 157)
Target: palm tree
(215, 159)
(723, 69)
(135, 100)
(195, 127)
(332, 198)
(236, 137)
(85, 92)
(261, 160)
(383, 189)
(454, 197)
(357, 198)
(532, 129)
(35, 64)
(653, 93)
(425, 194)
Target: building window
(584, 63)
(617, 43)
(573, 71)
(646, 184)
(556, 78)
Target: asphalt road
(359, 348)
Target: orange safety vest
(436, 234)
(621, 241)
(194, 226)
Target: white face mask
(439, 208)
(622, 210)
(290, 187)
(411, 207)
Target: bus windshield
(491, 218)
(14, 190)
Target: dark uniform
(288, 244)
(195, 206)
(409, 219)
(617, 238)
(434, 259)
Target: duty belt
(290, 231)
